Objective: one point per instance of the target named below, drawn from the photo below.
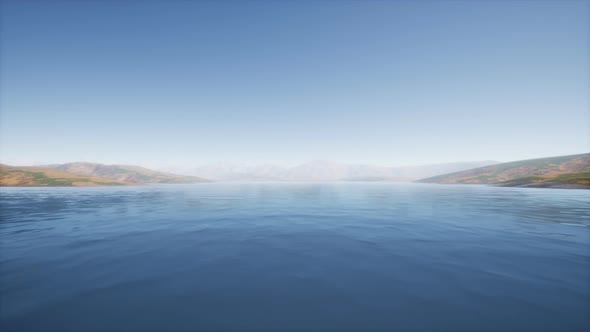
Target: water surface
(294, 257)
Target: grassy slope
(43, 176)
(564, 169)
(582, 178)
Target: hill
(568, 180)
(564, 171)
(23, 176)
(125, 173)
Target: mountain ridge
(125, 173)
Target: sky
(371, 82)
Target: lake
(295, 257)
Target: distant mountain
(125, 173)
(321, 170)
(233, 171)
(44, 176)
(563, 171)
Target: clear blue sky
(380, 82)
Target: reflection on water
(280, 256)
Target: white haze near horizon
(322, 170)
(317, 170)
(163, 165)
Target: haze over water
(296, 256)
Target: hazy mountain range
(322, 171)
(565, 171)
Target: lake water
(295, 257)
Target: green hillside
(567, 170)
(47, 177)
(575, 179)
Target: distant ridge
(126, 173)
(322, 170)
(571, 171)
(35, 176)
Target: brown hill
(23, 176)
(126, 173)
(567, 170)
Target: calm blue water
(297, 257)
